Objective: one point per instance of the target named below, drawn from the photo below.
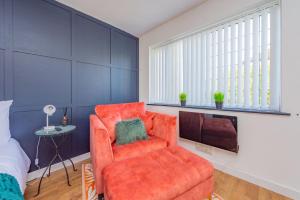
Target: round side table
(60, 131)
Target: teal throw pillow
(129, 131)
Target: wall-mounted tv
(214, 130)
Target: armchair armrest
(164, 127)
(100, 149)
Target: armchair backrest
(126, 110)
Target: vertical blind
(240, 57)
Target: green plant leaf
(182, 96)
(219, 97)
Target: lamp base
(49, 128)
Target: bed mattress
(14, 161)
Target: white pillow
(4, 122)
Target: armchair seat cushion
(138, 148)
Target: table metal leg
(41, 179)
(66, 170)
(57, 155)
(74, 169)
(49, 172)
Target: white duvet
(15, 162)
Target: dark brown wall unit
(215, 130)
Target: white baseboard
(38, 173)
(278, 188)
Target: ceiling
(133, 16)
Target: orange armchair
(161, 129)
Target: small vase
(219, 105)
(65, 120)
(183, 103)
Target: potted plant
(219, 99)
(182, 97)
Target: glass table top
(58, 131)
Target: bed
(15, 162)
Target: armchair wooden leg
(101, 196)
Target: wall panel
(2, 24)
(41, 80)
(42, 27)
(81, 137)
(123, 50)
(91, 84)
(124, 85)
(91, 41)
(1, 75)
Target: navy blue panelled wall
(52, 54)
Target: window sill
(270, 112)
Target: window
(239, 57)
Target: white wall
(269, 145)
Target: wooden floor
(229, 187)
